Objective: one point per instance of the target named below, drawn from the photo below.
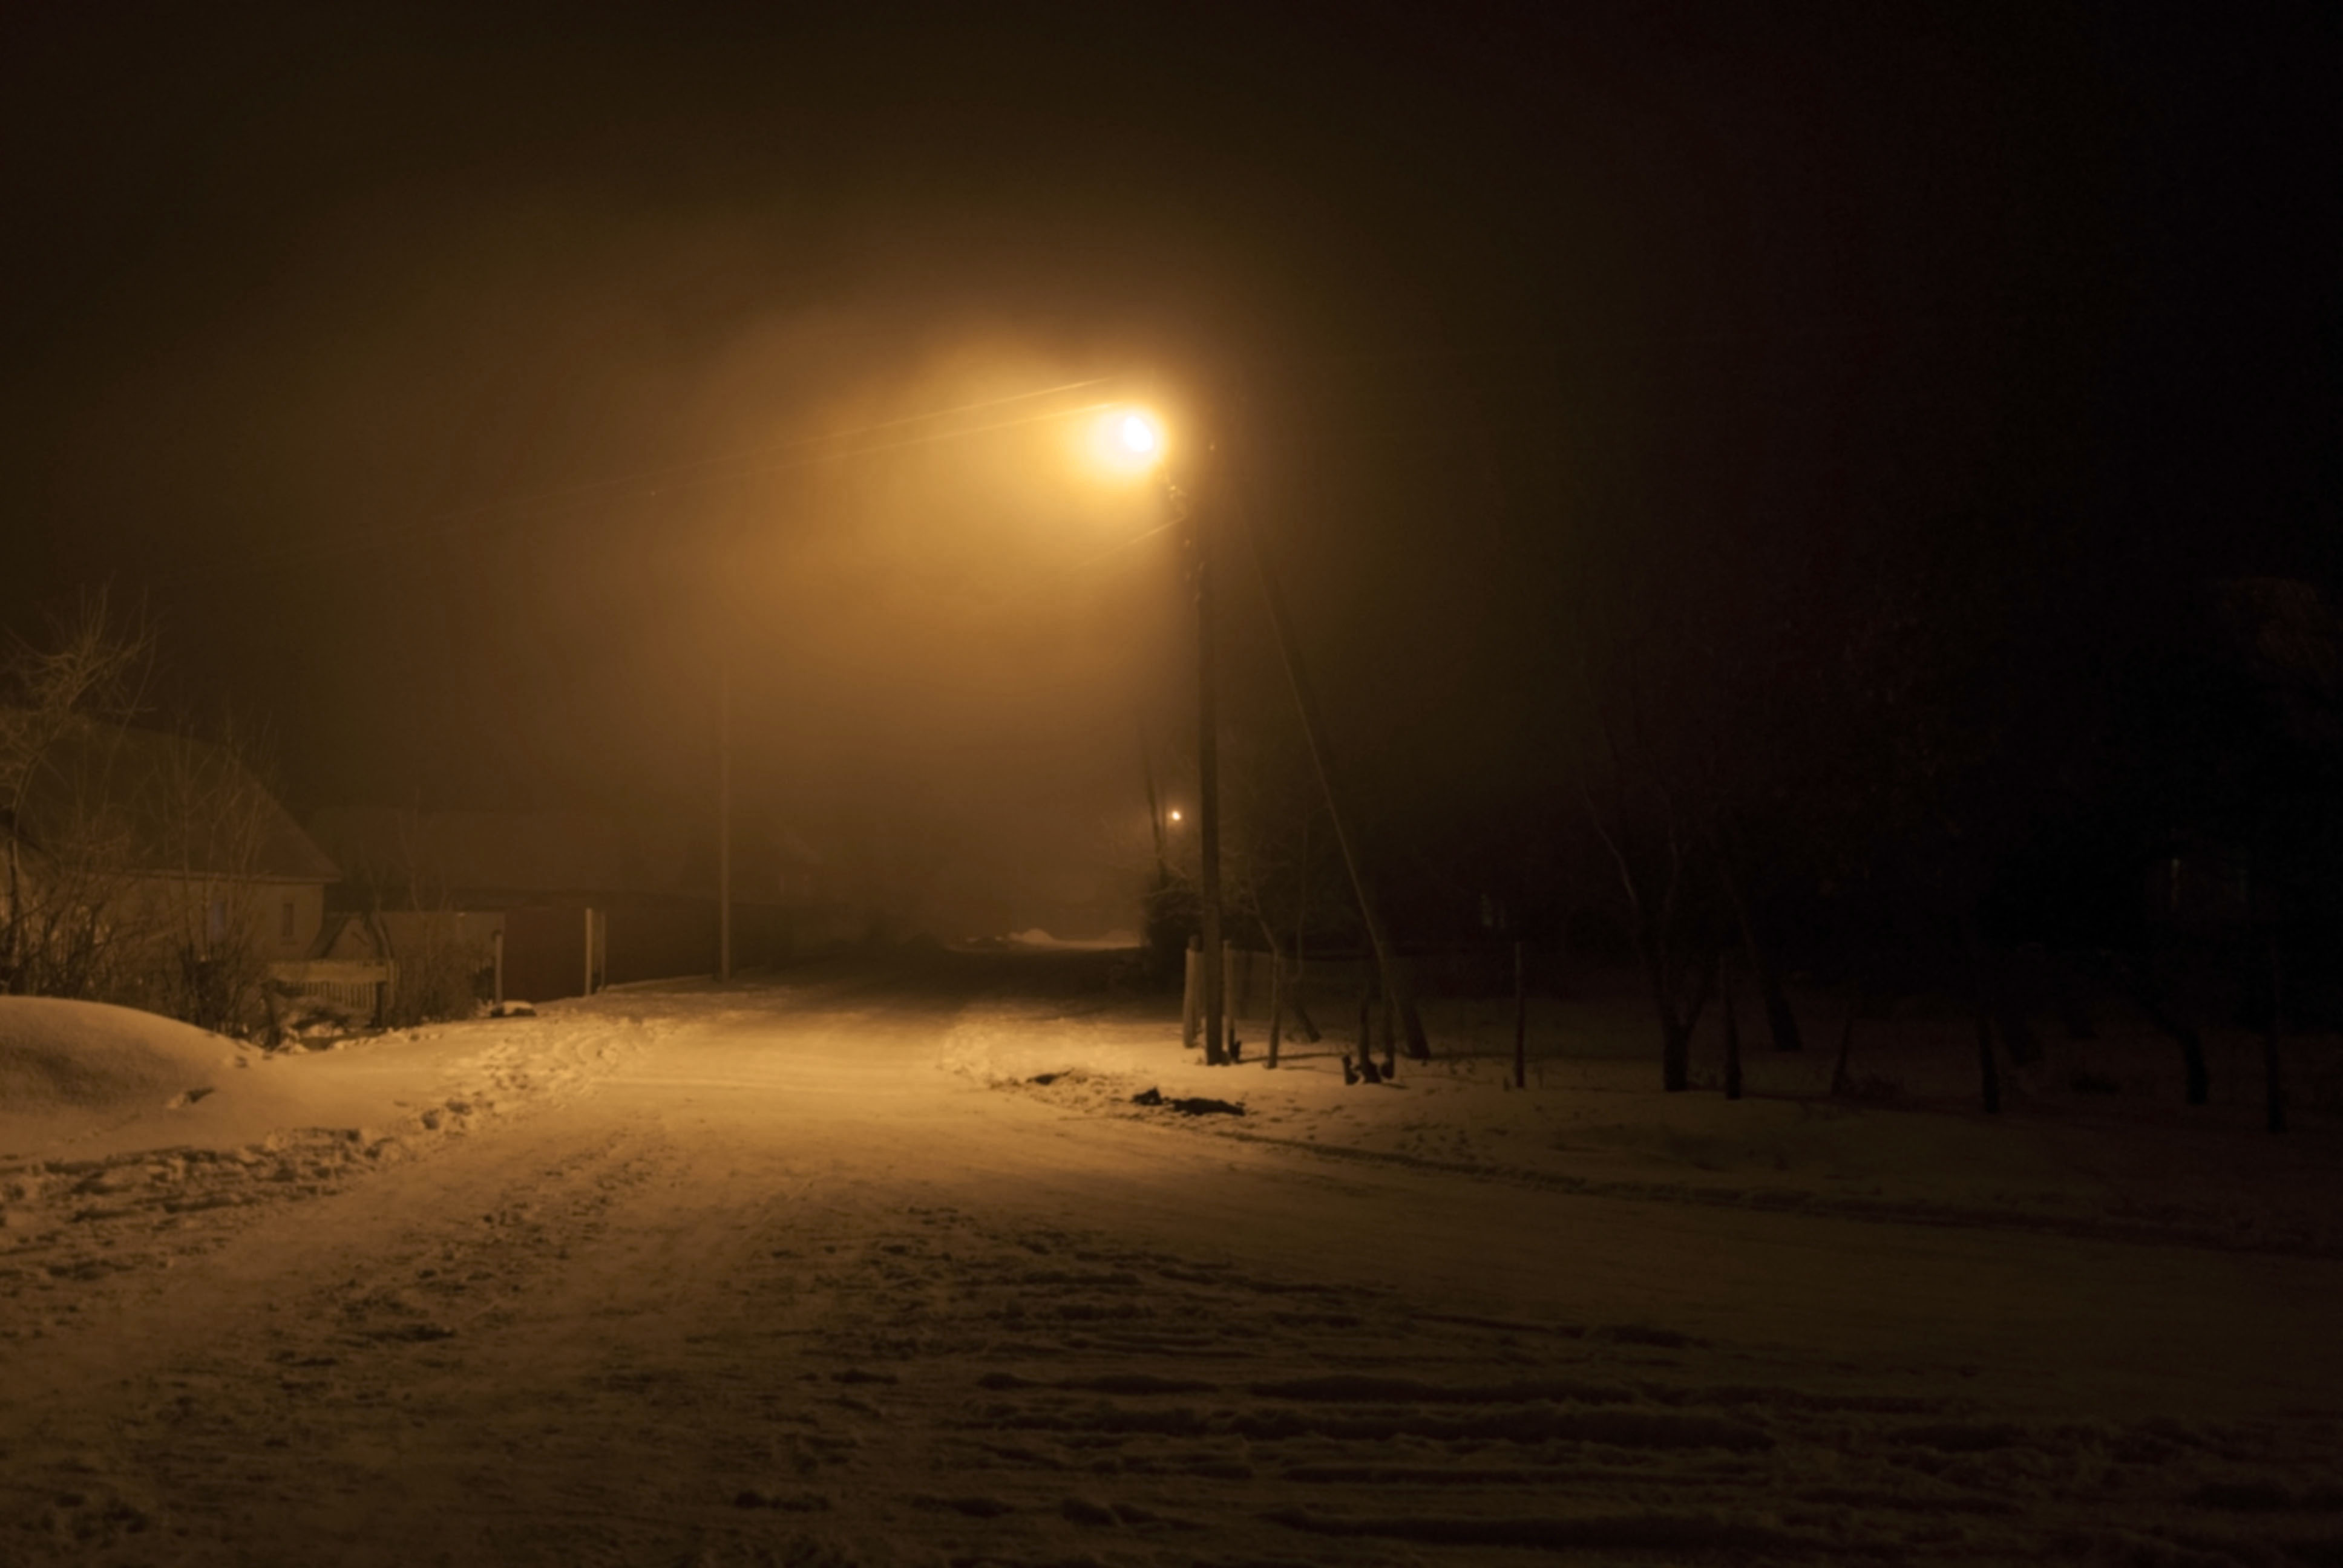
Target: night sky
(454, 389)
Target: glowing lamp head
(1175, 815)
(1128, 441)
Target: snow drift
(76, 1072)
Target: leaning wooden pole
(1297, 677)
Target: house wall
(295, 937)
(280, 918)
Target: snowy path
(752, 1279)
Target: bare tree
(68, 922)
(132, 851)
(1642, 824)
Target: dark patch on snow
(1190, 1105)
(1642, 1334)
(974, 1507)
(786, 1501)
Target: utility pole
(1208, 784)
(724, 817)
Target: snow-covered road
(787, 1275)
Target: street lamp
(1134, 441)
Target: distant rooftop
(163, 803)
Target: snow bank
(1595, 1121)
(72, 1073)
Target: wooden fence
(361, 985)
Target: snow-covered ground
(820, 1273)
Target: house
(154, 869)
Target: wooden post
(1300, 941)
(1188, 1015)
(1276, 1004)
(1231, 1000)
(724, 818)
(1520, 1023)
(497, 943)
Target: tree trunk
(2192, 1063)
(2273, 1067)
(2008, 1015)
(1675, 1056)
(1840, 1082)
(2148, 992)
(1677, 1023)
(1780, 1019)
(1732, 1032)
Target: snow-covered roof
(163, 803)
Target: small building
(155, 868)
